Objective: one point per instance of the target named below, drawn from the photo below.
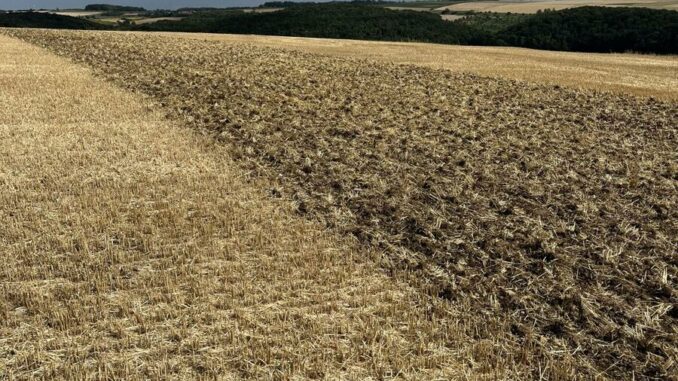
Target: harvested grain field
(151, 20)
(543, 218)
(645, 75)
(511, 6)
(452, 17)
(134, 249)
(75, 13)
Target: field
(528, 230)
(135, 19)
(261, 10)
(646, 75)
(420, 4)
(504, 6)
(134, 249)
(414, 9)
(111, 20)
(76, 13)
(154, 19)
(452, 17)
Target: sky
(148, 4)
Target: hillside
(587, 29)
(543, 217)
(112, 8)
(45, 20)
(598, 29)
(534, 6)
(354, 21)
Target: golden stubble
(134, 249)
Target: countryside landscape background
(148, 4)
(223, 194)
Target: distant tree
(598, 29)
(45, 20)
(333, 20)
(111, 7)
(587, 29)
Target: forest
(584, 29)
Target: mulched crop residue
(549, 212)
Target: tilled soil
(546, 212)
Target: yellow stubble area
(134, 248)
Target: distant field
(261, 10)
(155, 19)
(429, 5)
(136, 20)
(504, 6)
(75, 13)
(416, 9)
(132, 16)
(452, 17)
(645, 75)
(108, 20)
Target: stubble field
(543, 218)
(645, 75)
(134, 249)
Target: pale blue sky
(148, 4)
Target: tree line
(114, 8)
(586, 29)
